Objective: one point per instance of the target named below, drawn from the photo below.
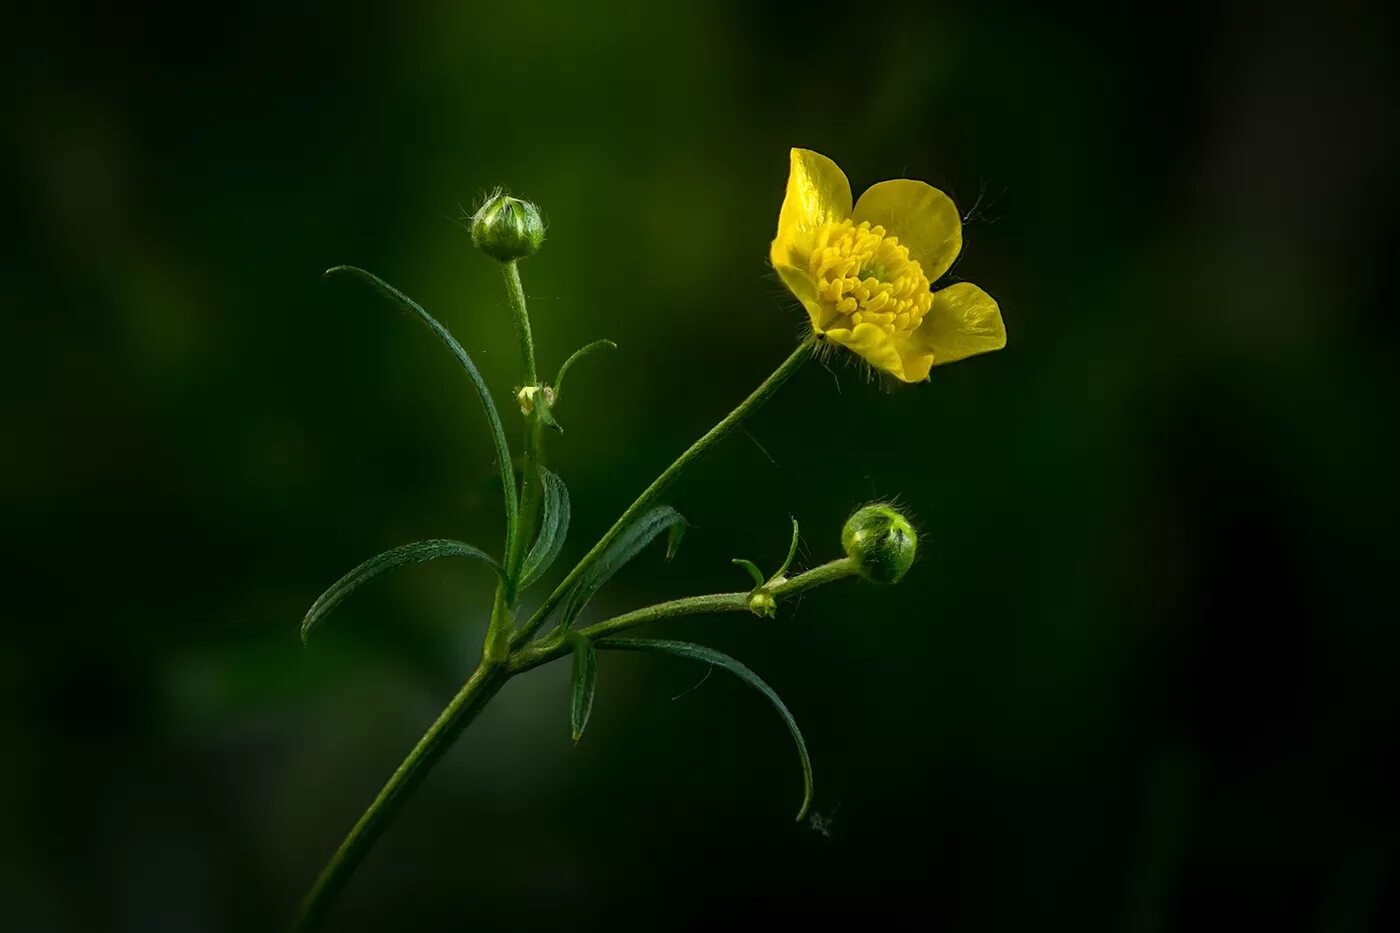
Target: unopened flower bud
(529, 394)
(507, 228)
(880, 541)
(762, 603)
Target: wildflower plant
(863, 272)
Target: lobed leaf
(685, 649)
(414, 553)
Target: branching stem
(762, 394)
(505, 654)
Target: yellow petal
(917, 359)
(802, 286)
(924, 219)
(963, 321)
(817, 193)
(874, 345)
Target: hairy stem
(546, 650)
(478, 691)
(532, 460)
(498, 664)
(766, 390)
(520, 316)
(484, 683)
(499, 631)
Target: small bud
(507, 228)
(762, 603)
(880, 541)
(538, 398)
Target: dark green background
(1142, 678)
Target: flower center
(865, 277)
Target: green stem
(484, 683)
(546, 650)
(493, 672)
(498, 632)
(762, 394)
(529, 490)
(496, 647)
(529, 479)
(493, 417)
(521, 318)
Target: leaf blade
(413, 553)
(626, 546)
(685, 649)
(585, 683)
(751, 567)
(554, 529)
(792, 551)
(577, 355)
(674, 536)
(498, 434)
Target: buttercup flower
(864, 274)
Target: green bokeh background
(1142, 677)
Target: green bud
(507, 228)
(880, 541)
(762, 603)
(528, 396)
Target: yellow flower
(864, 274)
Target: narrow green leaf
(632, 539)
(752, 568)
(554, 528)
(674, 537)
(792, 552)
(685, 649)
(416, 552)
(498, 434)
(585, 683)
(578, 354)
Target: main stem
(484, 683)
(493, 672)
(762, 394)
(529, 479)
(500, 628)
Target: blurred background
(1142, 678)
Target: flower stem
(520, 316)
(531, 461)
(760, 395)
(499, 631)
(496, 668)
(546, 650)
(484, 683)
